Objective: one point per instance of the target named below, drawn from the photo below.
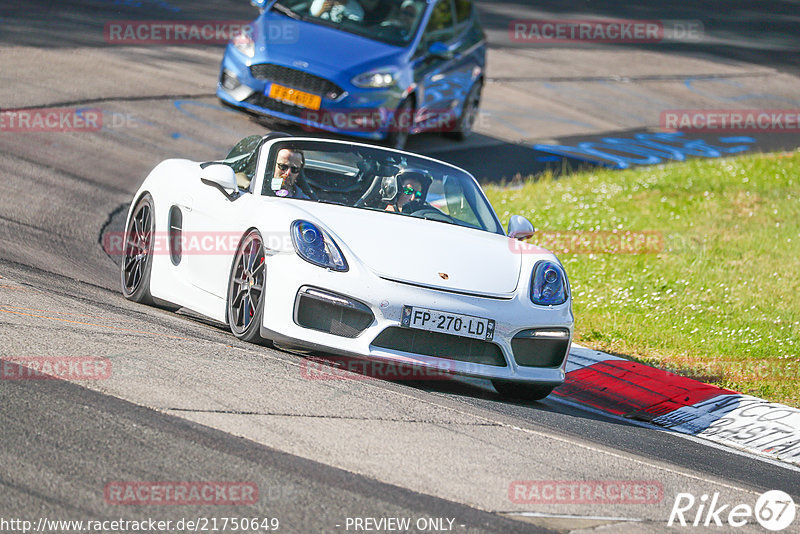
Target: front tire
(466, 120)
(245, 304)
(521, 390)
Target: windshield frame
(268, 154)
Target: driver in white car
(288, 166)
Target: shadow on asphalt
(739, 30)
(734, 31)
(763, 33)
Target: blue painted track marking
(647, 149)
(178, 135)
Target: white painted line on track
(538, 433)
(567, 516)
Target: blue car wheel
(399, 130)
(469, 112)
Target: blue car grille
(296, 79)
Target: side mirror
(259, 4)
(222, 177)
(520, 228)
(440, 50)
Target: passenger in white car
(412, 189)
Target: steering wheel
(370, 192)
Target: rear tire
(245, 303)
(137, 259)
(521, 390)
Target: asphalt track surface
(186, 401)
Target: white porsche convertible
(355, 250)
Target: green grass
(720, 301)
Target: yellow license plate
(294, 96)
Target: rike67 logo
(774, 510)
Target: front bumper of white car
(358, 313)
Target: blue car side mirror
(440, 50)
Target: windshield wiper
(280, 8)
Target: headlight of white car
(244, 42)
(316, 246)
(376, 79)
(549, 284)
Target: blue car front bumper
(363, 113)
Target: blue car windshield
(381, 179)
(392, 22)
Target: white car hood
(422, 252)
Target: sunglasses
(283, 166)
(408, 190)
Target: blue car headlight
(548, 284)
(244, 42)
(316, 246)
(377, 78)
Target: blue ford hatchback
(375, 69)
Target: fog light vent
(545, 347)
(331, 313)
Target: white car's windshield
(377, 179)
